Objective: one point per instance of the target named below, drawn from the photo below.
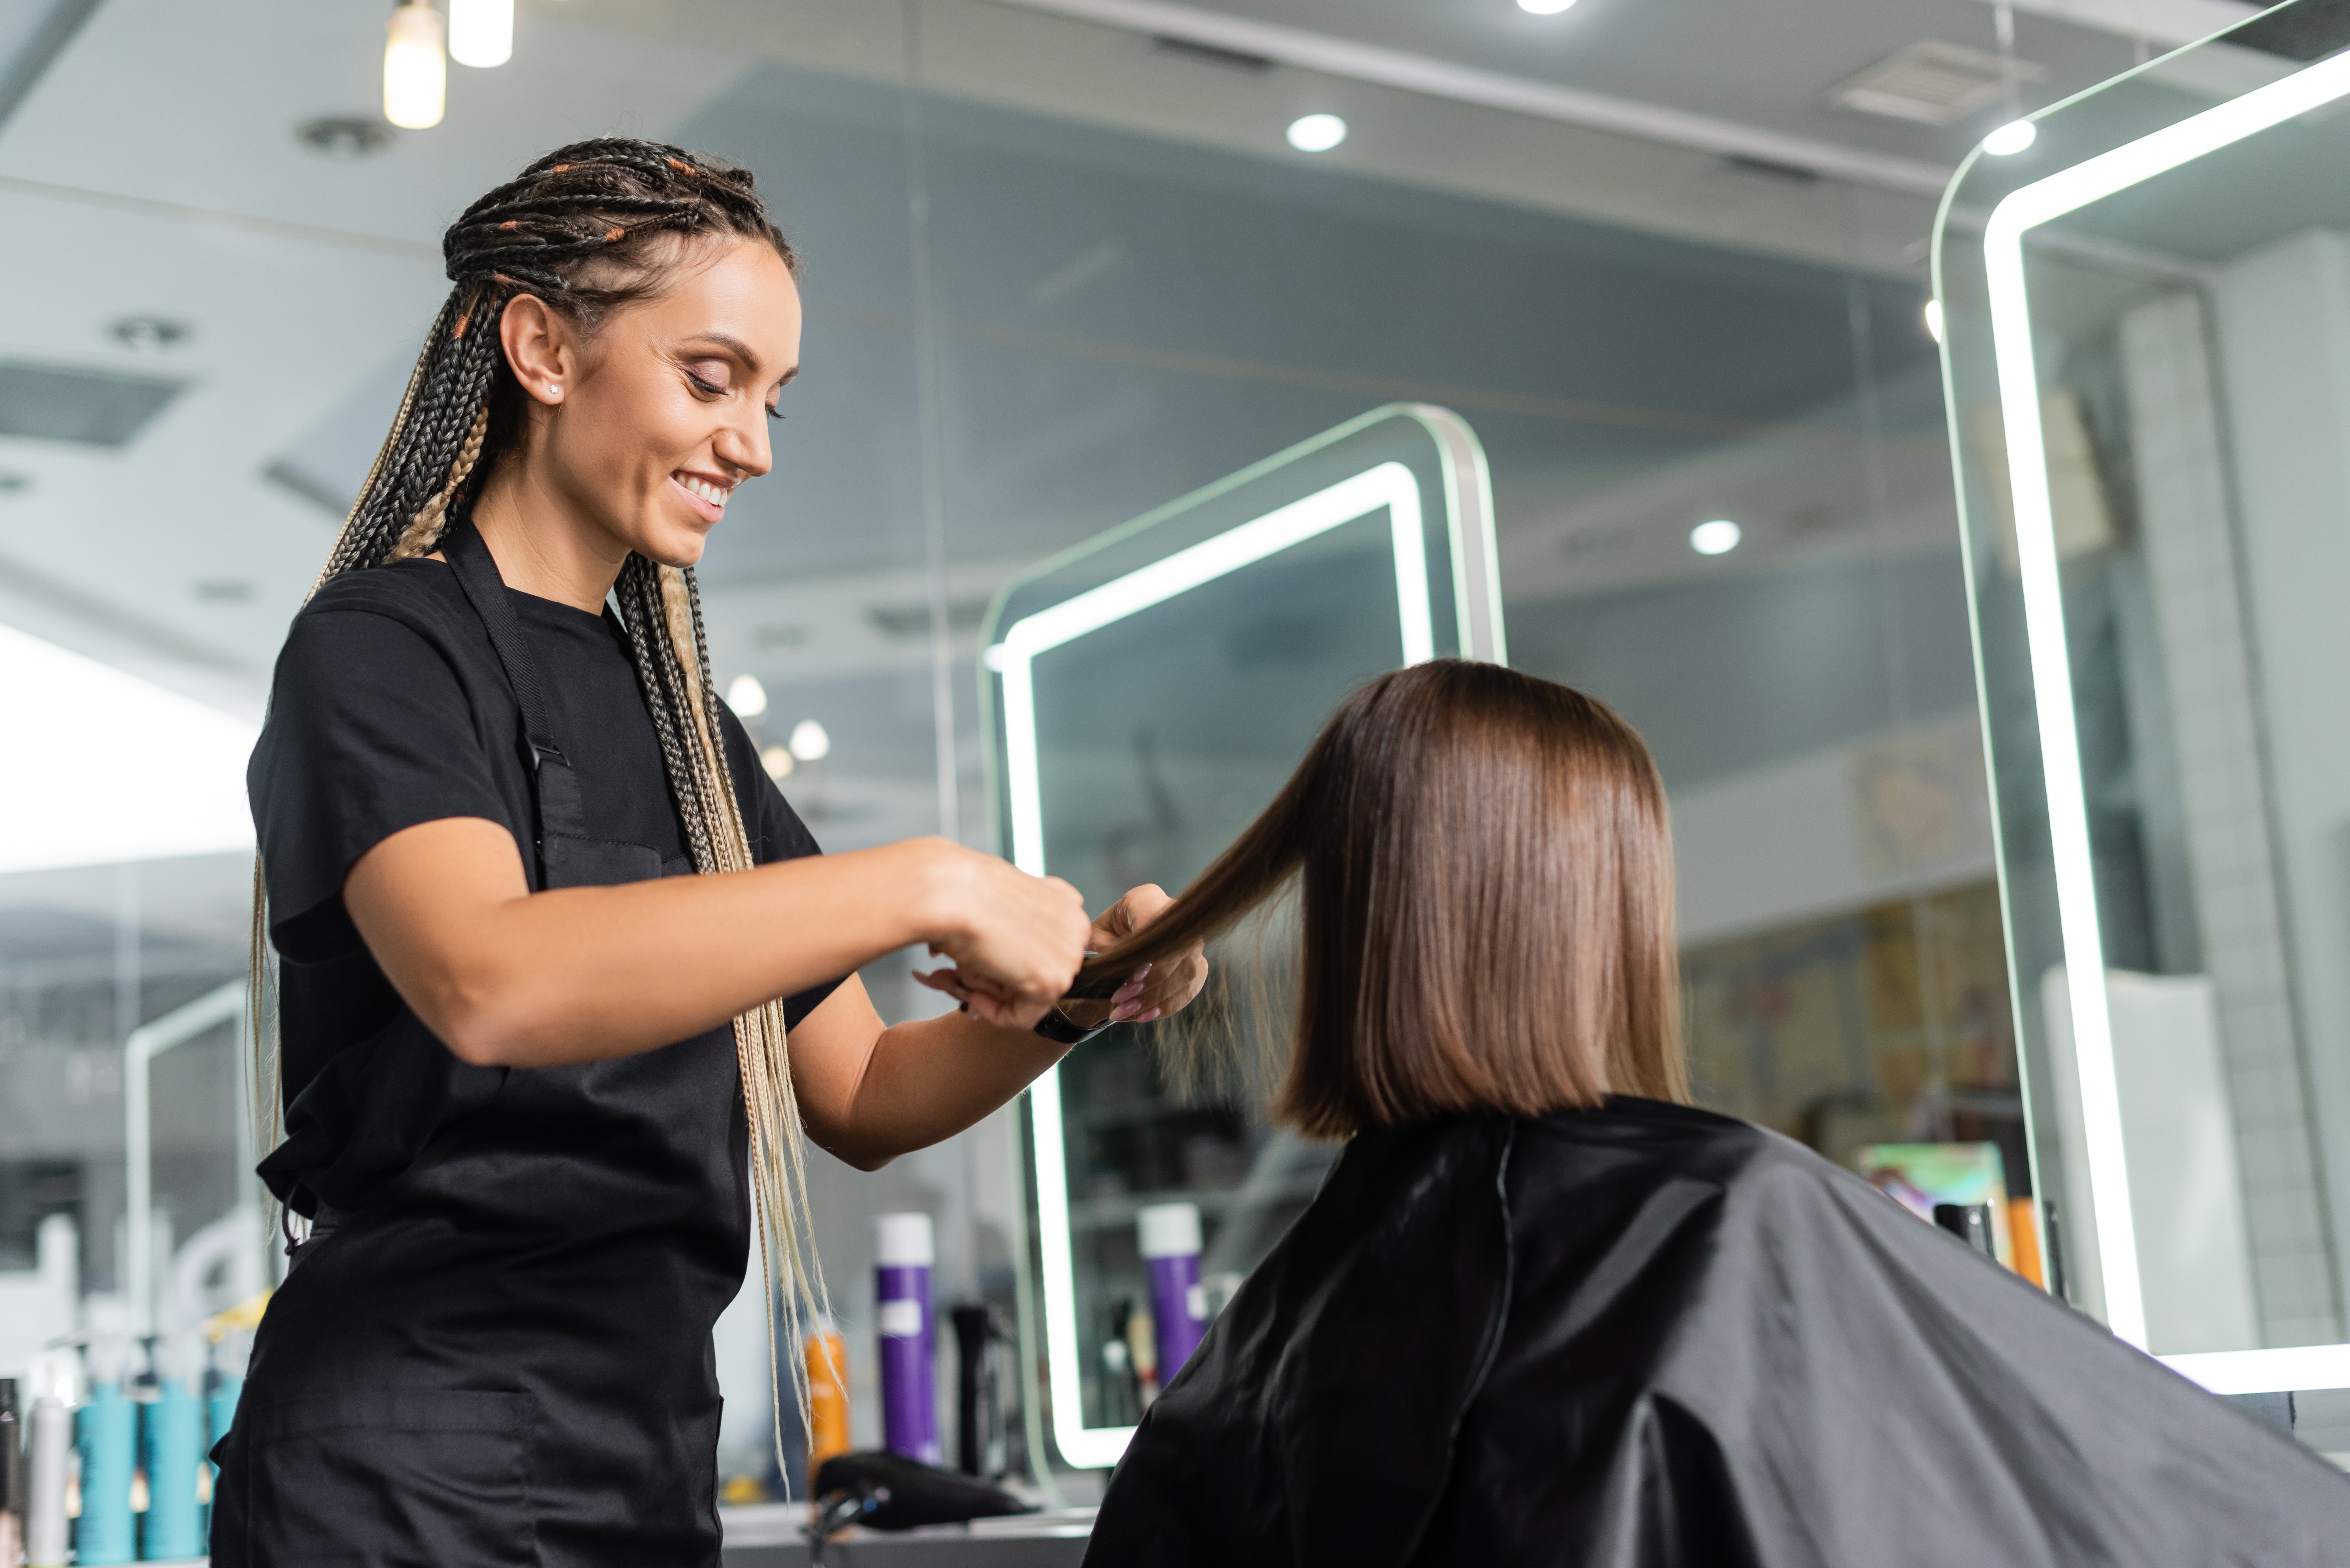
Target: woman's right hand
(1016, 941)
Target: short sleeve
(776, 833)
(369, 731)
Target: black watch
(1056, 1026)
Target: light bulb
(415, 76)
(1717, 537)
(1544, 7)
(1317, 132)
(481, 32)
(747, 697)
(777, 761)
(2011, 138)
(809, 742)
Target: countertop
(770, 1536)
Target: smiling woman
(538, 922)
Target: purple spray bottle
(1170, 1237)
(909, 1412)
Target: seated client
(1544, 1311)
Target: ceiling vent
(95, 408)
(1930, 83)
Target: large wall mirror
(2146, 313)
(1149, 692)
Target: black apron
(495, 1349)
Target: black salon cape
(1649, 1336)
(500, 1355)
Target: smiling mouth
(711, 497)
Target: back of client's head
(1486, 904)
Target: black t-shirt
(549, 1245)
(389, 710)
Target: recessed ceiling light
(343, 136)
(747, 697)
(1317, 132)
(809, 742)
(778, 762)
(2011, 138)
(1717, 537)
(1934, 319)
(150, 334)
(1544, 7)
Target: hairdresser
(558, 976)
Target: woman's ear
(539, 348)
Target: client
(1544, 1312)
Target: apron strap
(553, 783)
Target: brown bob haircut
(1486, 899)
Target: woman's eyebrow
(733, 345)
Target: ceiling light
(1717, 537)
(809, 742)
(747, 697)
(778, 762)
(415, 76)
(1934, 319)
(1317, 132)
(343, 135)
(149, 334)
(1544, 7)
(2011, 138)
(481, 32)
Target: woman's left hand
(1155, 991)
(1170, 985)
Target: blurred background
(1066, 262)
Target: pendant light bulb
(415, 73)
(481, 32)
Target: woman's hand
(1164, 988)
(1016, 941)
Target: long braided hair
(586, 229)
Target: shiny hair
(1483, 870)
(589, 229)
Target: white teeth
(705, 489)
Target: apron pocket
(391, 1479)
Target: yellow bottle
(828, 1377)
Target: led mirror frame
(2043, 202)
(1463, 496)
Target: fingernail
(1147, 1016)
(1124, 1010)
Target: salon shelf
(1112, 1213)
(769, 1536)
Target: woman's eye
(702, 384)
(774, 412)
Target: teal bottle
(174, 1451)
(107, 1434)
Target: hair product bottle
(47, 1468)
(107, 1434)
(11, 1488)
(828, 1377)
(1170, 1238)
(910, 1411)
(172, 1429)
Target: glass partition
(1149, 692)
(2147, 324)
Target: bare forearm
(580, 974)
(920, 1083)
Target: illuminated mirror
(1149, 692)
(2146, 320)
